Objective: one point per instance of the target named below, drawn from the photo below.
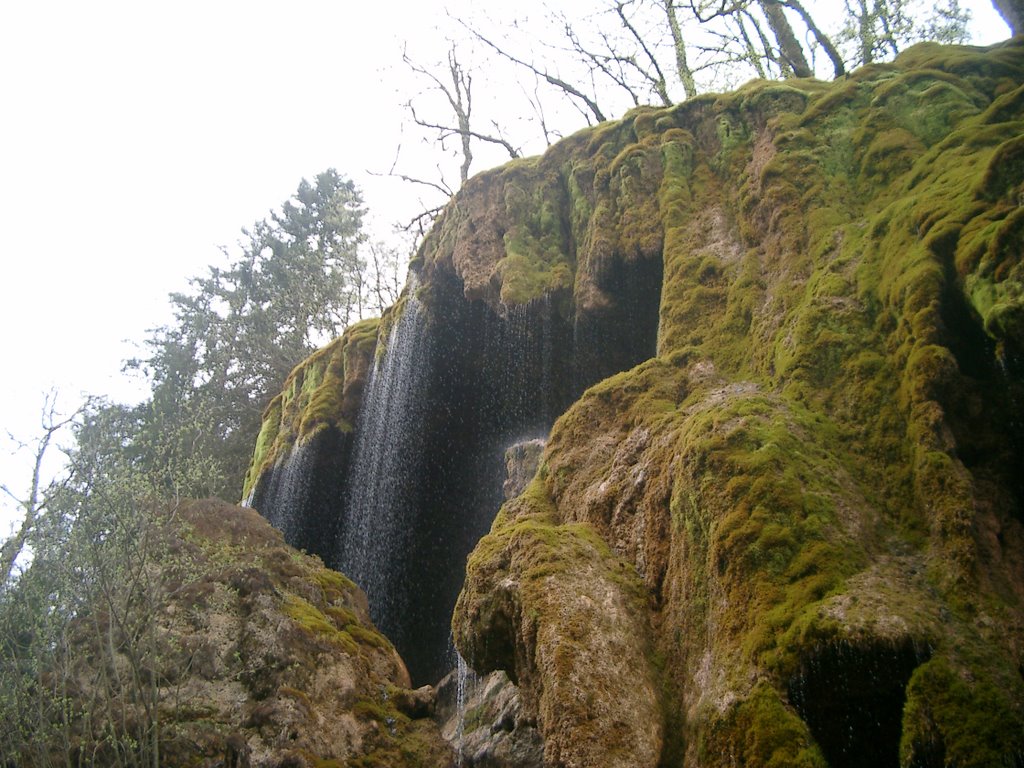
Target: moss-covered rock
(264, 653)
(807, 506)
(552, 606)
(323, 392)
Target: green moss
(759, 732)
(411, 744)
(262, 457)
(314, 397)
(821, 416)
(967, 720)
(333, 581)
(317, 624)
(367, 636)
(382, 712)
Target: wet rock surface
(488, 728)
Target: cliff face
(783, 526)
(792, 537)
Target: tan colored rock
(268, 657)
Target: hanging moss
(761, 732)
(952, 719)
(819, 460)
(318, 394)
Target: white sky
(136, 137)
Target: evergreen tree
(298, 281)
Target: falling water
(465, 688)
(300, 493)
(384, 472)
(288, 491)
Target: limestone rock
(521, 462)
(793, 536)
(778, 520)
(489, 728)
(267, 658)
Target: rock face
(521, 463)
(793, 536)
(306, 438)
(783, 525)
(265, 658)
(485, 722)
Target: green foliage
(299, 280)
(100, 574)
(877, 30)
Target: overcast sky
(137, 137)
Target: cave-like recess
(492, 375)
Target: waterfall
(300, 493)
(384, 472)
(466, 681)
(289, 490)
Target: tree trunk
(826, 43)
(682, 67)
(790, 52)
(1012, 12)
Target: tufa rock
(489, 728)
(521, 462)
(266, 658)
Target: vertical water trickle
(385, 473)
(299, 494)
(534, 391)
(289, 491)
(464, 677)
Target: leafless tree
(34, 503)
(457, 89)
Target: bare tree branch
(447, 130)
(34, 504)
(658, 83)
(790, 51)
(570, 90)
(679, 46)
(823, 40)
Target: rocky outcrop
(260, 657)
(485, 722)
(521, 462)
(779, 518)
(794, 535)
(306, 440)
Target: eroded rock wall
(794, 535)
(784, 525)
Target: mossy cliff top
(324, 391)
(794, 537)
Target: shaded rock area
(266, 658)
(484, 721)
(487, 374)
(306, 440)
